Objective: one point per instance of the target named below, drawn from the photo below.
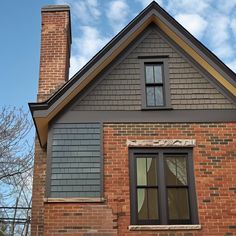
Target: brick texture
(54, 68)
(121, 88)
(55, 52)
(214, 165)
(37, 215)
(79, 219)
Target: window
(162, 187)
(155, 84)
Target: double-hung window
(162, 187)
(155, 83)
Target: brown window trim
(160, 152)
(166, 87)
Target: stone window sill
(81, 200)
(164, 227)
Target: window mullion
(162, 191)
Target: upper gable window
(155, 83)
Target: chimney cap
(56, 8)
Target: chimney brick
(55, 50)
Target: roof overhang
(44, 112)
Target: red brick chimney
(55, 49)
(54, 70)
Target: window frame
(166, 87)
(162, 187)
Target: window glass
(153, 203)
(141, 171)
(158, 73)
(149, 74)
(159, 96)
(175, 170)
(150, 96)
(151, 171)
(178, 205)
(142, 204)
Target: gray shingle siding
(121, 88)
(76, 160)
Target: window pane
(149, 74)
(141, 171)
(151, 172)
(175, 170)
(178, 205)
(142, 204)
(158, 74)
(159, 96)
(153, 204)
(150, 96)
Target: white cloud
(218, 35)
(226, 6)
(194, 23)
(224, 51)
(233, 27)
(219, 29)
(117, 14)
(86, 11)
(85, 47)
(187, 6)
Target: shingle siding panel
(76, 160)
(121, 88)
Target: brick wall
(37, 215)
(79, 219)
(215, 176)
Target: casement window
(162, 187)
(155, 84)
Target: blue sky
(94, 23)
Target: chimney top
(56, 8)
(52, 8)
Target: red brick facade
(215, 177)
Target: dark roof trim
(163, 116)
(151, 9)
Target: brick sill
(164, 227)
(81, 200)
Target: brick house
(141, 141)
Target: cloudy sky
(94, 23)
